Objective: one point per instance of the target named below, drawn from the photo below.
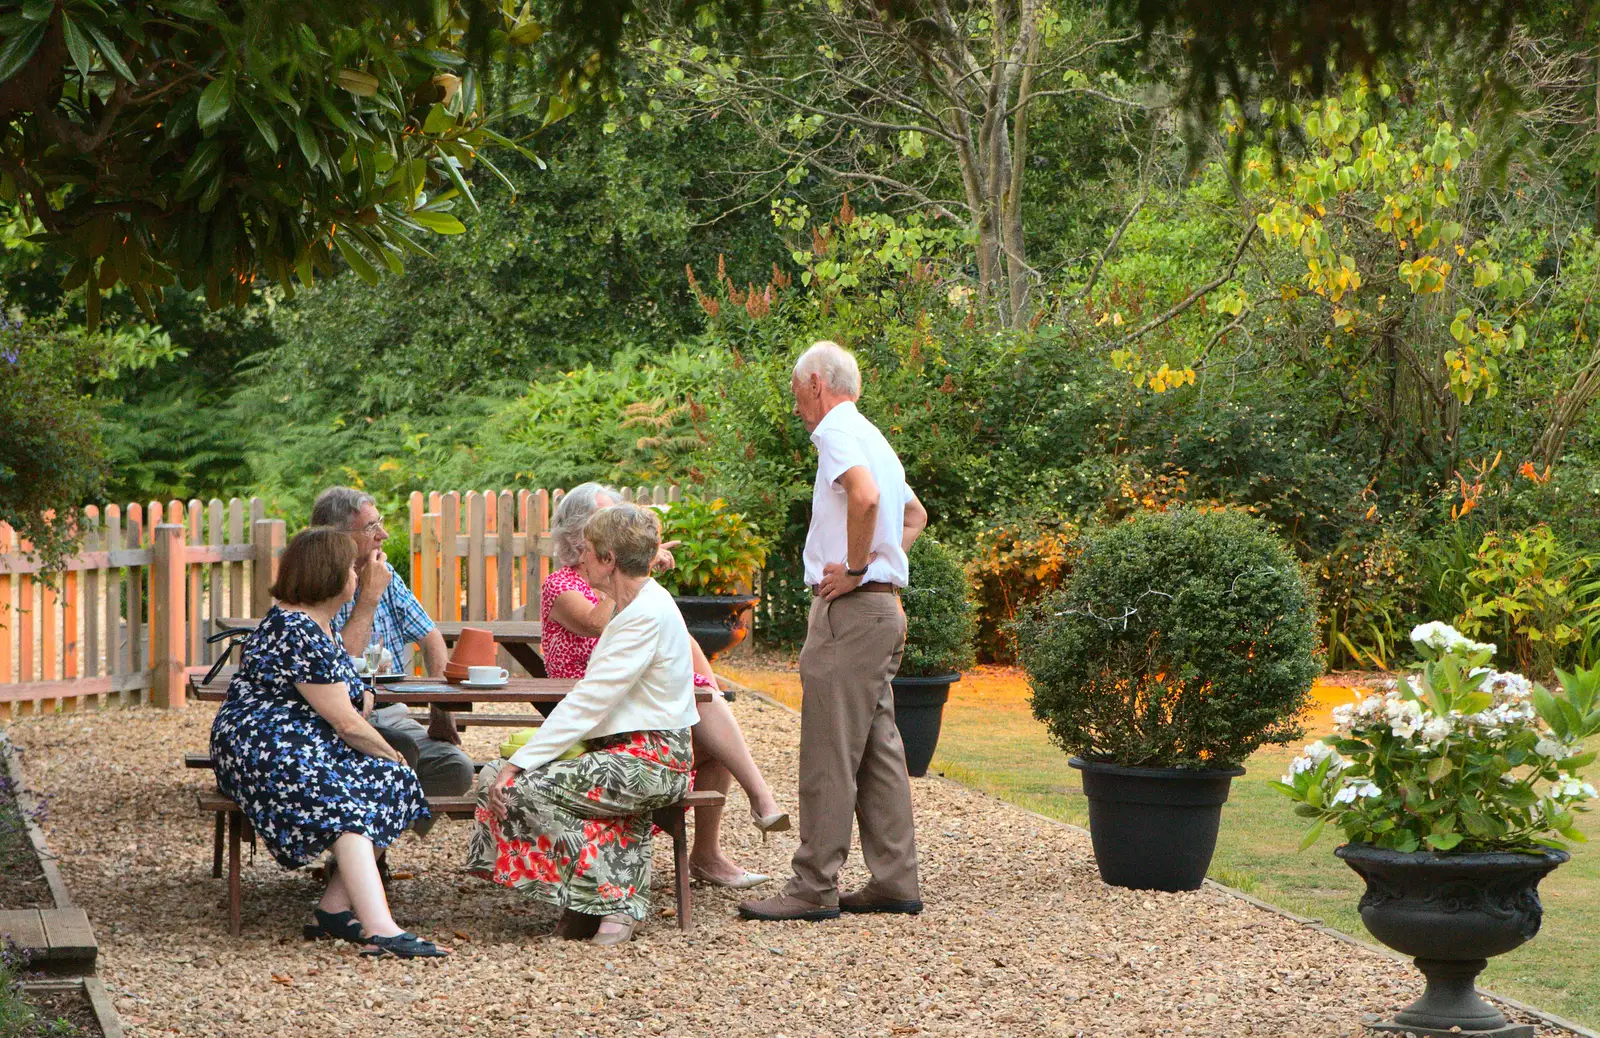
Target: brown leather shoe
(862, 901)
(785, 907)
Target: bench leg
(235, 896)
(216, 847)
(680, 866)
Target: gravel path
(1020, 937)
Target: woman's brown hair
(314, 566)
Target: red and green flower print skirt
(577, 832)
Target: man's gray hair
(834, 365)
(336, 506)
(572, 514)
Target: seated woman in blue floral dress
(293, 749)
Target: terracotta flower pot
(474, 648)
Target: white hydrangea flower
(1344, 717)
(1349, 793)
(1404, 717)
(1436, 635)
(1507, 686)
(1371, 707)
(1313, 755)
(1572, 788)
(1549, 748)
(1441, 636)
(1437, 729)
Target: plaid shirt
(399, 620)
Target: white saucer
(482, 685)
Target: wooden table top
(424, 691)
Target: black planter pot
(1451, 913)
(716, 621)
(918, 713)
(1154, 828)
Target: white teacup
(488, 675)
(360, 663)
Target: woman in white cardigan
(567, 818)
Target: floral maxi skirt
(577, 832)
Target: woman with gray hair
(575, 615)
(567, 817)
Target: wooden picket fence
(133, 608)
(485, 556)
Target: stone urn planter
(717, 622)
(1451, 913)
(1154, 828)
(919, 713)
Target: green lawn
(990, 741)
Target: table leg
(528, 656)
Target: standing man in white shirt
(864, 519)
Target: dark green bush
(939, 623)
(1182, 639)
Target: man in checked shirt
(384, 608)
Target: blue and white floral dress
(298, 782)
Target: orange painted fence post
(168, 614)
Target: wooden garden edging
(134, 607)
(58, 940)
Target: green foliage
(939, 615)
(1456, 761)
(718, 552)
(51, 459)
(204, 144)
(1182, 639)
(1536, 598)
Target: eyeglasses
(373, 527)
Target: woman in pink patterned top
(574, 614)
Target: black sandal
(342, 926)
(403, 946)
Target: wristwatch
(855, 572)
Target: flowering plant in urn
(1462, 758)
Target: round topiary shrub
(1183, 639)
(939, 622)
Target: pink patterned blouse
(566, 653)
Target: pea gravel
(1020, 937)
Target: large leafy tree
(924, 105)
(214, 143)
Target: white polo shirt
(845, 439)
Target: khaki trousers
(852, 762)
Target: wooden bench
(670, 819)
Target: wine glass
(374, 656)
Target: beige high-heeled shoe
(774, 823)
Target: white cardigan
(640, 678)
